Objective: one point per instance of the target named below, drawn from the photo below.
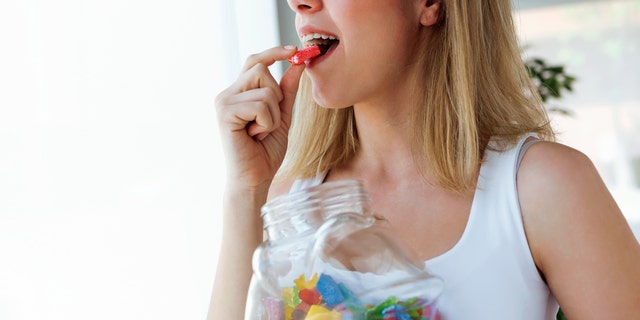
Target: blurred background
(111, 172)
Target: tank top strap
(301, 184)
(528, 142)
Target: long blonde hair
(476, 88)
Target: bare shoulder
(559, 184)
(577, 234)
(279, 187)
(556, 181)
(549, 168)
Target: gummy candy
(321, 313)
(322, 298)
(275, 308)
(302, 283)
(329, 290)
(304, 55)
(310, 296)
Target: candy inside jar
(327, 258)
(322, 297)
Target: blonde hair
(476, 88)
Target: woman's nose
(305, 6)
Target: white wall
(110, 169)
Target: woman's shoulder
(576, 232)
(555, 181)
(280, 187)
(548, 162)
(286, 184)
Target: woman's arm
(254, 115)
(241, 234)
(580, 240)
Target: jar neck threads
(302, 212)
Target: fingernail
(290, 47)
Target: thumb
(289, 86)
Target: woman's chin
(325, 102)
(330, 105)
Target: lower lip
(322, 57)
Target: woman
(428, 101)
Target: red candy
(310, 296)
(305, 54)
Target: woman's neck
(385, 149)
(386, 129)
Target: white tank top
(490, 273)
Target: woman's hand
(254, 116)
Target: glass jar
(326, 257)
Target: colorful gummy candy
(322, 298)
(304, 55)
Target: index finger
(269, 56)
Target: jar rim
(325, 193)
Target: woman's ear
(429, 12)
